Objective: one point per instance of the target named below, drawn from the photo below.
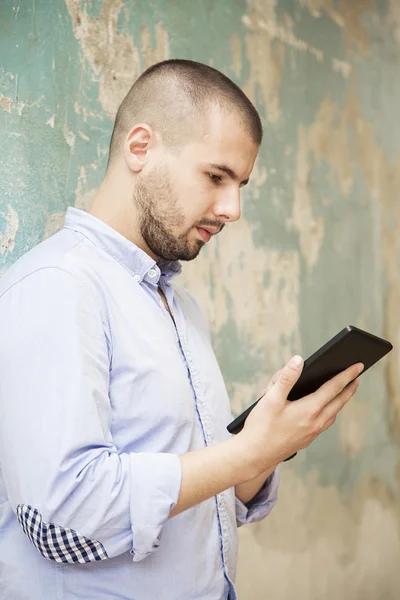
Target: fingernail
(361, 368)
(296, 362)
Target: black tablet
(348, 347)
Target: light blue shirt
(100, 391)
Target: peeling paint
(342, 67)
(9, 106)
(5, 103)
(325, 140)
(275, 31)
(263, 20)
(383, 177)
(160, 52)
(329, 547)
(86, 112)
(237, 54)
(83, 201)
(266, 63)
(83, 196)
(353, 426)
(332, 143)
(54, 223)
(7, 239)
(393, 19)
(311, 230)
(348, 16)
(112, 55)
(17, 108)
(51, 122)
(83, 136)
(69, 136)
(272, 326)
(259, 177)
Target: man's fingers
(287, 377)
(334, 387)
(329, 413)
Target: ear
(137, 145)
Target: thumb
(288, 377)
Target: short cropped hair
(174, 97)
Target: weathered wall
(317, 248)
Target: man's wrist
(250, 463)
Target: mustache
(210, 223)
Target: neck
(115, 207)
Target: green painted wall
(317, 247)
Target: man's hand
(277, 428)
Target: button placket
(207, 429)
(205, 420)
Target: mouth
(206, 232)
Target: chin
(190, 257)
(189, 253)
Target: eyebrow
(229, 172)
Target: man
(119, 479)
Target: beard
(160, 214)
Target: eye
(215, 178)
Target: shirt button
(136, 278)
(152, 273)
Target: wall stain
(383, 178)
(310, 230)
(348, 16)
(83, 201)
(325, 544)
(351, 144)
(7, 239)
(112, 55)
(326, 140)
(393, 19)
(239, 271)
(262, 20)
(353, 426)
(266, 62)
(9, 106)
(237, 54)
(5, 103)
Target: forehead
(224, 139)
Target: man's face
(184, 198)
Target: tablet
(348, 347)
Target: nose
(227, 207)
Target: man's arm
(247, 490)
(60, 465)
(275, 429)
(59, 462)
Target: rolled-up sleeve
(261, 505)
(76, 497)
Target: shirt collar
(139, 264)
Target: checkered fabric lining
(58, 543)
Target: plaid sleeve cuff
(57, 543)
(262, 503)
